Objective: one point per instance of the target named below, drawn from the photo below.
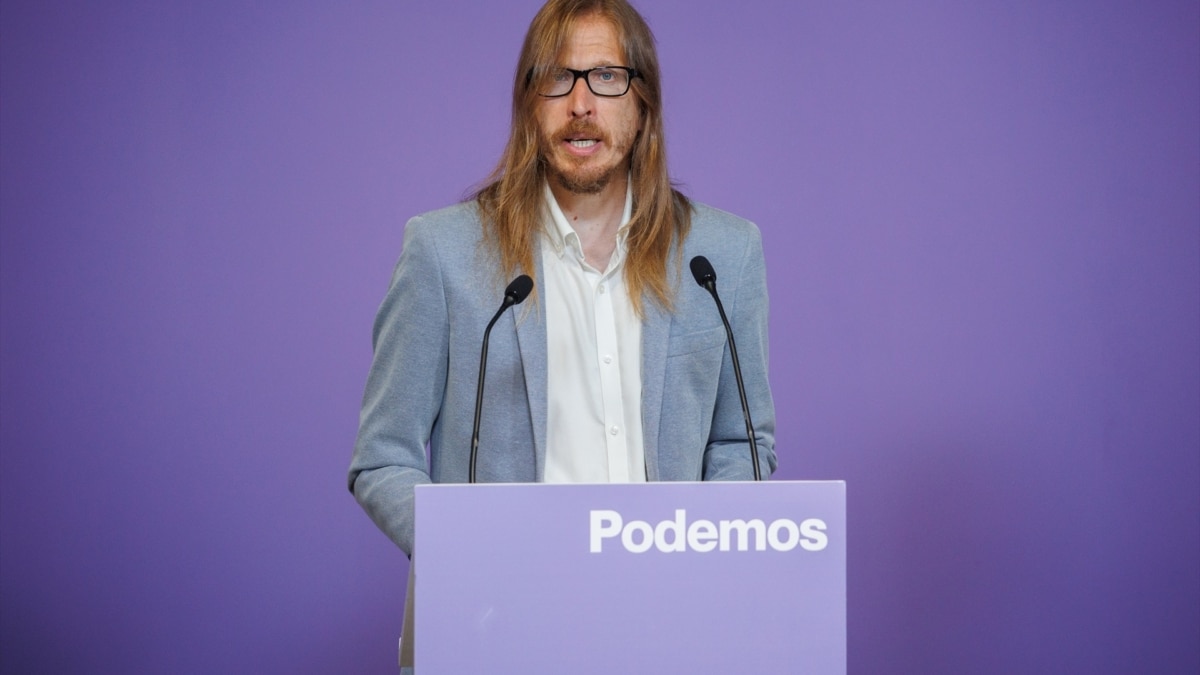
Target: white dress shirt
(594, 359)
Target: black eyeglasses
(607, 81)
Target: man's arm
(404, 389)
(727, 455)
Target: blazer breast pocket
(696, 342)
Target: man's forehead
(593, 38)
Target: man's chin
(584, 187)
(584, 182)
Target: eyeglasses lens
(602, 81)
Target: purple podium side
(645, 578)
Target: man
(616, 369)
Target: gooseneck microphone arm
(515, 294)
(706, 276)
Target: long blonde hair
(511, 201)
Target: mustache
(580, 128)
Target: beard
(583, 182)
(581, 175)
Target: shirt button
(600, 289)
(607, 358)
(613, 430)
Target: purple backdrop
(983, 237)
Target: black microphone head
(703, 271)
(519, 289)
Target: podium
(631, 578)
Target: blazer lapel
(531, 340)
(656, 333)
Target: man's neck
(595, 218)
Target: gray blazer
(421, 388)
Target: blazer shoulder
(450, 221)
(454, 228)
(712, 226)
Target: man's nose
(582, 100)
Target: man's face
(586, 139)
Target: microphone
(706, 276)
(515, 294)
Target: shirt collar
(561, 235)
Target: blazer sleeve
(404, 389)
(727, 454)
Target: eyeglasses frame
(583, 74)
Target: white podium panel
(641, 578)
